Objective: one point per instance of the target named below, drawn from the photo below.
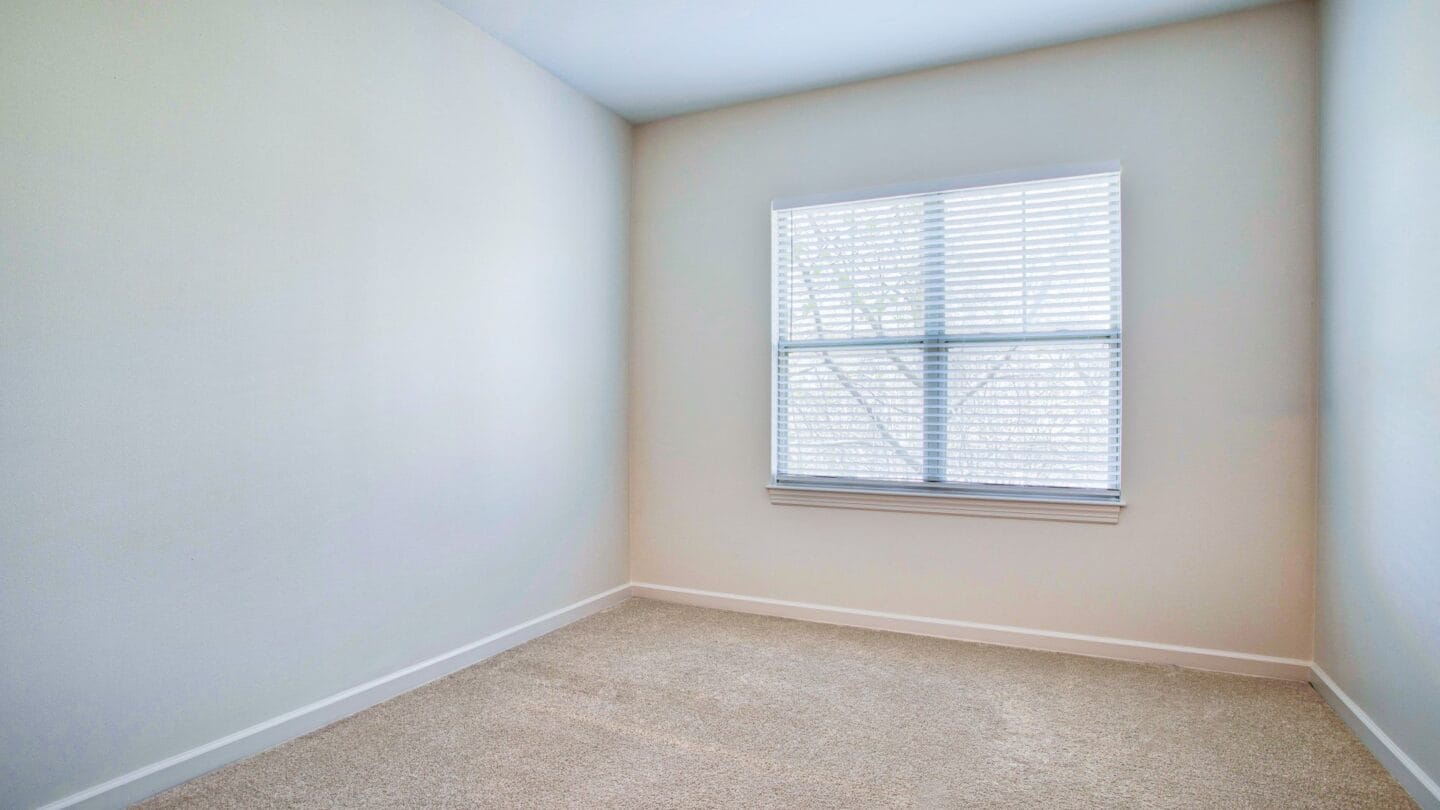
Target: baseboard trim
(1049, 640)
(167, 773)
(151, 779)
(1406, 771)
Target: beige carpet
(659, 705)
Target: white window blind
(964, 339)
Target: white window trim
(1072, 510)
(948, 184)
(946, 501)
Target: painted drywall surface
(1378, 581)
(312, 323)
(1214, 122)
(651, 59)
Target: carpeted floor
(660, 705)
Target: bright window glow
(965, 339)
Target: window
(960, 339)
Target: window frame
(934, 495)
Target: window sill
(938, 503)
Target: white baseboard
(1098, 646)
(1406, 771)
(159, 776)
(154, 778)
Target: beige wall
(1378, 588)
(312, 362)
(1214, 122)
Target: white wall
(312, 355)
(1214, 122)
(1378, 588)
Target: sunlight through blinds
(959, 339)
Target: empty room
(719, 404)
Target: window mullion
(936, 372)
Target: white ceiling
(648, 59)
